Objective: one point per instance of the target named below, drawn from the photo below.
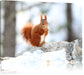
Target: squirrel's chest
(42, 38)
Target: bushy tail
(26, 31)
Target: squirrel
(36, 34)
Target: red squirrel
(35, 35)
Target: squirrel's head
(43, 22)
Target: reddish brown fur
(32, 34)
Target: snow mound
(36, 60)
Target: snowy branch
(73, 49)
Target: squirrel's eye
(43, 23)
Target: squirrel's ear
(45, 16)
(41, 15)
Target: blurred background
(64, 20)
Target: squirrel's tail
(26, 31)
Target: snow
(36, 60)
(39, 63)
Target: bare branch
(35, 5)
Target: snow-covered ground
(38, 61)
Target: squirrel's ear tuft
(41, 15)
(45, 16)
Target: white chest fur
(42, 38)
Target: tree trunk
(0, 29)
(71, 36)
(9, 41)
